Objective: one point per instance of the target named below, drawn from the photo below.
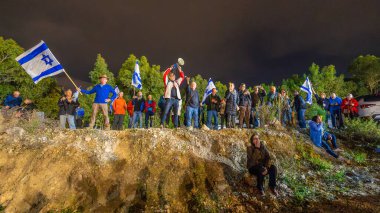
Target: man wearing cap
(172, 94)
(102, 92)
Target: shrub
(314, 110)
(363, 129)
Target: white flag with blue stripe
(136, 78)
(39, 62)
(208, 91)
(306, 87)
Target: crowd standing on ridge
(240, 108)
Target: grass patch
(360, 158)
(314, 159)
(337, 177)
(302, 192)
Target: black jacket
(244, 100)
(66, 107)
(210, 104)
(232, 99)
(299, 103)
(258, 99)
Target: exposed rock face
(135, 170)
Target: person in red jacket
(150, 109)
(130, 113)
(350, 106)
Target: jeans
(118, 121)
(286, 117)
(192, 112)
(327, 146)
(149, 119)
(212, 114)
(69, 118)
(336, 114)
(257, 171)
(256, 117)
(137, 117)
(168, 105)
(301, 118)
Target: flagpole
(76, 87)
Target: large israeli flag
(306, 87)
(39, 62)
(136, 79)
(208, 91)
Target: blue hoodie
(316, 132)
(332, 103)
(12, 101)
(102, 93)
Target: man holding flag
(172, 94)
(212, 101)
(102, 92)
(300, 103)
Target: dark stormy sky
(239, 40)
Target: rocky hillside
(43, 169)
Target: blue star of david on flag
(47, 59)
(39, 62)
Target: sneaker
(274, 192)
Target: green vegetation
(301, 190)
(337, 177)
(363, 129)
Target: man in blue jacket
(320, 138)
(13, 100)
(335, 110)
(102, 92)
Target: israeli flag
(306, 87)
(208, 91)
(39, 62)
(136, 79)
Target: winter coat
(210, 104)
(119, 106)
(66, 107)
(244, 100)
(257, 99)
(232, 100)
(150, 107)
(316, 133)
(138, 104)
(299, 103)
(322, 102)
(258, 156)
(12, 101)
(170, 84)
(350, 106)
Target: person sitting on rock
(321, 138)
(259, 164)
(13, 100)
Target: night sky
(239, 40)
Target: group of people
(241, 105)
(236, 106)
(14, 103)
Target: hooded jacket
(258, 156)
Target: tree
(45, 94)
(366, 69)
(150, 75)
(222, 88)
(101, 68)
